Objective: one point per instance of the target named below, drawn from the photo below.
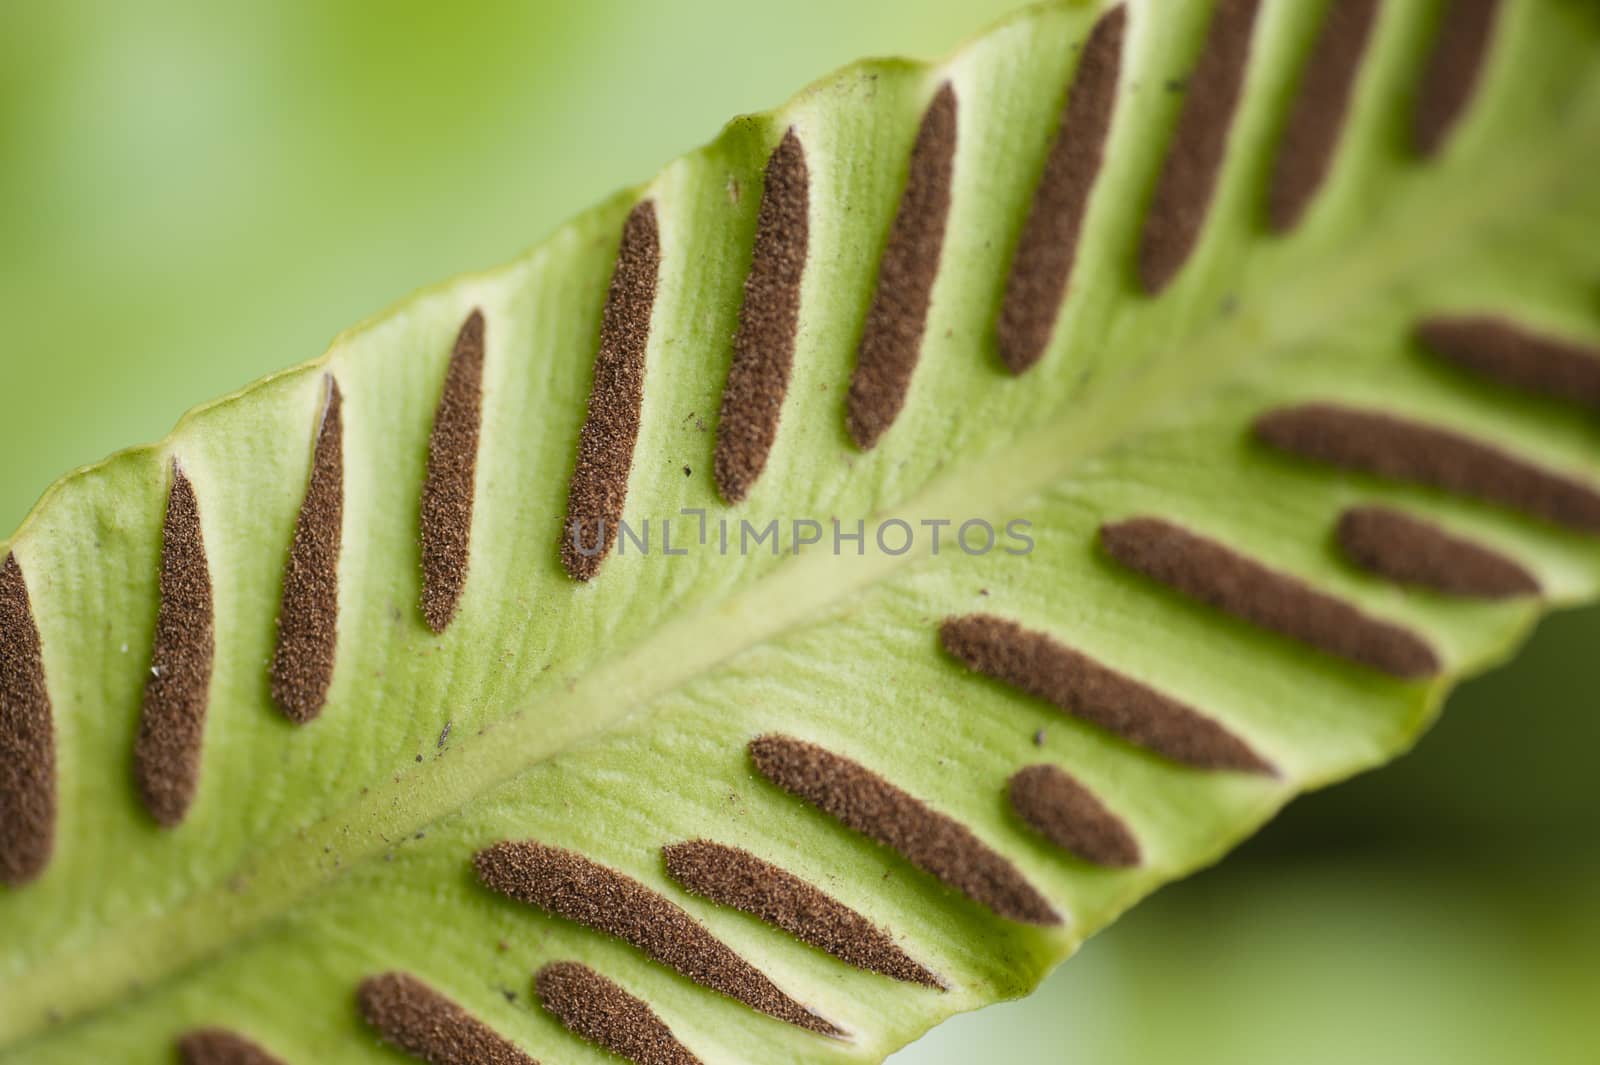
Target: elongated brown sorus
(1063, 811)
(597, 1009)
(218, 1046)
(599, 487)
(891, 342)
(1453, 71)
(1398, 449)
(733, 877)
(763, 348)
(27, 737)
(1042, 266)
(1220, 577)
(1512, 355)
(413, 1017)
(1078, 685)
(1317, 116)
(570, 885)
(450, 486)
(937, 844)
(308, 617)
(1194, 159)
(166, 756)
(1408, 550)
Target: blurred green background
(192, 195)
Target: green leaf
(613, 717)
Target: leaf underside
(1294, 455)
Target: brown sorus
(1408, 550)
(1453, 71)
(1078, 685)
(413, 1017)
(891, 341)
(1317, 116)
(1194, 159)
(308, 617)
(1235, 584)
(166, 756)
(933, 842)
(218, 1046)
(599, 487)
(1069, 815)
(595, 1008)
(448, 490)
(1398, 449)
(763, 348)
(733, 877)
(27, 738)
(569, 885)
(1512, 355)
(1042, 265)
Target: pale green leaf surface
(612, 718)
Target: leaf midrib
(133, 961)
